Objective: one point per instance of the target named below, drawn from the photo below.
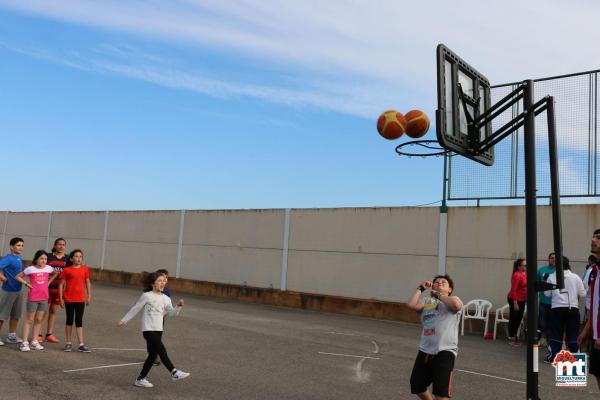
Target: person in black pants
(517, 298)
(564, 315)
(155, 305)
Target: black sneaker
(68, 347)
(83, 349)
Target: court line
(103, 366)
(345, 334)
(360, 374)
(376, 347)
(347, 355)
(490, 376)
(111, 348)
(359, 335)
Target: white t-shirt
(156, 306)
(440, 327)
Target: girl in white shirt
(155, 305)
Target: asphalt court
(247, 351)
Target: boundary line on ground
(102, 366)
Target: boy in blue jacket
(11, 302)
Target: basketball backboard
(455, 110)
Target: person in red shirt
(517, 298)
(75, 281)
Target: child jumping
(155, 305)
(40, 275)
(75, 281)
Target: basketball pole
(443, 233)
(531, 241)
(452, 136)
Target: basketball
(391, 124)
(417, 123)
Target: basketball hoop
(422, 148)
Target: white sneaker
(14, 339)
(179, 375)
(143, 383)
(24, 346)
(36, 345)
(1, 343)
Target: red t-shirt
(74, 278)
(518, 287)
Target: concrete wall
(242, 247)
(81, 230)
(483, 242)
(366, 253)
(363, 253)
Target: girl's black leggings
(155, 348)
(515, 317)
(75, 309)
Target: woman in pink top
(40, 275)
(517, 298)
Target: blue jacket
(11, 266)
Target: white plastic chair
(476, 309)
(502, 317)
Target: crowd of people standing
(56, 280)
(560, 321)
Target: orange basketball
(391, 124)
(417, 123)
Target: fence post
(104, 240)
(180, 244)
(4, 231)
(49, 227)
(286, 239)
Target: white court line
(376, 347)
(103, 366)
(490, 376)
(110, 348)
(361, 376)
(347, 355)
(345, 334)
(358, 335)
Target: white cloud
(357, 57)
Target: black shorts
(435, 369)
(594, 361)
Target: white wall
(368, 253)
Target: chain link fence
(576, 97)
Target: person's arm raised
(413, 301)
(452, 302)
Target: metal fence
(576, 97)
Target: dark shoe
(83, 349)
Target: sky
(189, 104)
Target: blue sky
(182, 104)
